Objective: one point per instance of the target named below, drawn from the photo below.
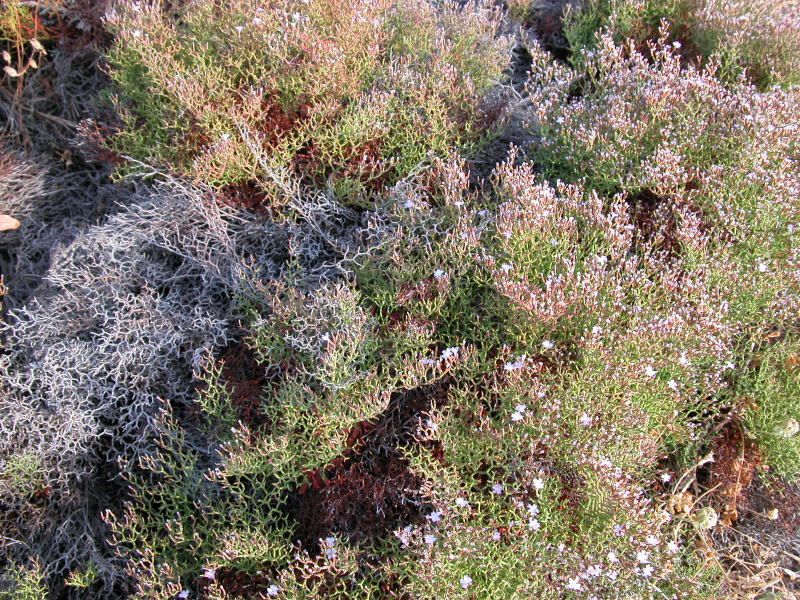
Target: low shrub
(760, 40)
(355, 94)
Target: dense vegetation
(419, 300)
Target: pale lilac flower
(435, 516)
(533, 508)
(612, 557)
(183, 595)
(642, 557)
(594, 571)
(520, 408)
(239, 28)
(462, 502)
(466, 581)
(439, 274)
(666, 477)
(652, 540)
(273, 590)
(258, 21)
(449, 353)
(597, 330)
(404, 535)
(673, 385)
(430, 539)
(534, 525)
(427, 361)
(496, 535)
(505, 267)
(673, 547)
(647, 571)
(538, 484)
(497, 488)
(683, 361)
(650, 371)
(329, 544)
(514, 366)
(516, 417)
(137, 33)
(574, 585)
(210, 574)
(618, 529)
(548, 345)
(585, 420)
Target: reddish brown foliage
(247, 196)
(369, 491)
(247, 381)
(730, 475)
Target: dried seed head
(37, 46)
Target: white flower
(650, 371)
(534, 525)
(547, 345)
(505, 267)
(273, 590)
(183, 595)
(762, 267)
(449, 353)
(225, 137)
(642, 557)
(538, 484)
(239, 28)
(585, 420)
(439, 274)
(612, 575)
(497, 488)
(258, 21)
(683, 361)
(533, 508)
(673, 385)
(210, 574)
(430, 539)
(521, 408)
(574, 585)
(676, 44)
(594, 571)
(597, 329)
(647, 571)
(496, 536)
(517, 417)
(427, 361)
(666, 477)
(612, 557)
(673, 547)
(435, 516)
(652, 540)
(461, 502)
(138, 33)
(466, 581)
